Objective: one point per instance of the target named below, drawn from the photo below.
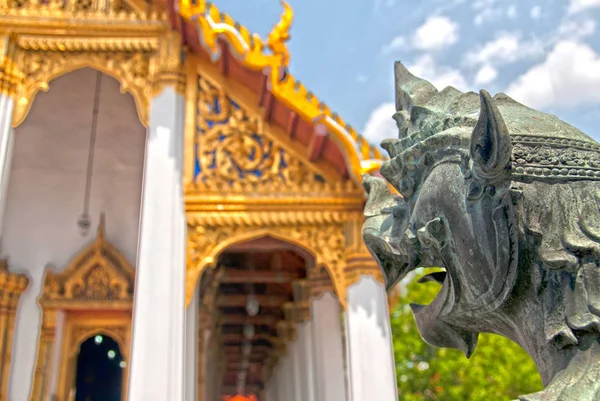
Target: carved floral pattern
(555, 159)
(130, 68)
(233, 153)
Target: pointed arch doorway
(99, 370)
(96, 370)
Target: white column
(191, 348)
(157, 355)
(372, 373)
(328, 349)
(276, 384)
(307, 361)
(288, 370)
(7, 104)
(296, 357)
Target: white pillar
(7, 104)
(307, 361)
(328, 349)
(296, 357)
(191, 348)
(372, 373)
(21, 371)
(288, 371)
(157, 355)
(276, 384)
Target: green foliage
(498, 369)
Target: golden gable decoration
(234, 152)
(99, 280)
(98, 276)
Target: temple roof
(262, 67)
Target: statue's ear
(490, 143)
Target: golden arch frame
(26, 95)
(79, 328)
(61, 64)
(325, 242)
(119, 338)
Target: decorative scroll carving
(100, 279)
(12, 285)
(233, 152)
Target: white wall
(46, 192)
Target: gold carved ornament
(98, 279)
(12, 285)
(145, 55)
(251, 49)
(233, 153)
(11, 76)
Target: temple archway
(251, 302)
(99, 370)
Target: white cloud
(577, 6)
(486, 75)
(512, 12)
(486, 10)
(535, 13)
(380, 124)
(507, 47)
(487, 14)
(483, 4)
(576, 30)
(398, 43)
(436, 33)
(570, 76)
(440, 76)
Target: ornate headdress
(544, 148)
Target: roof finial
(100, 234)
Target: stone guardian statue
(506, 199)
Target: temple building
(180, 218)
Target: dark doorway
(99, 373)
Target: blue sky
(544, 53)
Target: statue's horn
(490, 142)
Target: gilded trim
(138, 48)
(12, 285)
(212, 24)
